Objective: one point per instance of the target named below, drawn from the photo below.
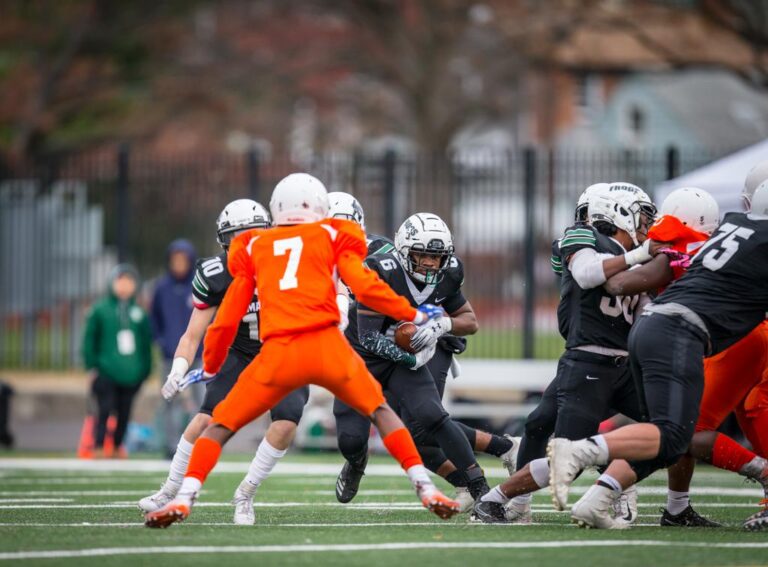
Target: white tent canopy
(723, 179)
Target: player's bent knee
(674, 442)
(351, 446)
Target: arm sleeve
(372, 340)
(201, 293)
(586, 267)
(234, 306)
(90, 341)
(576, 239)
(556, 260)
(369, 289)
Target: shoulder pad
(378, 244)
(385, 265)
(455, 270)
(582, 236)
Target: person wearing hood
(117, 351)
(171, 309)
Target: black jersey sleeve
(455, 276)
(379, 244)
(556, 260)
(373, 340)
(576, 238)
(210, 282)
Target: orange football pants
(735, 380)
(322, 357)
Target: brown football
(403, 334)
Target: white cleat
(595, 510)
(154, 502)
(509, 459)
(244, 514)
(566, 460)
(625, 506)
(464, 498)
(518, 513)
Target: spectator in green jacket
(117, 350)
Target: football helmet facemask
(238, 216)
(424, 234)
(626, 207)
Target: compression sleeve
(586, 267)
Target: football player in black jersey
(208, 287)
(422, 267)
(721, 298)
(593, 377)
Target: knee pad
(430, 415)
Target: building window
(636, 121)
(589, 97)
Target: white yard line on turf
(77, 492)
(315, 548)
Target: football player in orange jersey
(294, 268)
(689, 216)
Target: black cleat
(348, 481)
(489, 513)
(757, 522)
(688, 518)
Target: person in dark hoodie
(117, 350)
(171, 309)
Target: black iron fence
(65, 222)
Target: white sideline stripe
(314, 548)
(76, 493)
(336, 525)
(31, 500)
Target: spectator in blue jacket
(171, 309)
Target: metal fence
(66, 221)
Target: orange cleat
(440, 505)
(169, 514)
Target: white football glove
(427, 334)
(175, 377)
(424, 356)
(639, 255)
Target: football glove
(426, 312)
(427, 334)
(175, 376)
(639, 255)
(424, 356)
(193, 377)
(677, 259)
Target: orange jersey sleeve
(350, 251)
(221, 333)
(681, 237)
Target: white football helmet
(344, 206)
(424, 233)
(582, 205)
(694, 207)
(623, 205)
(299, 199)
(760, 199)
(755, 178)
(240, 215)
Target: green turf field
(89, 517)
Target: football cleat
(595, 510)
(244, 514)
(438, 503)
(625, 506)
(757, 522)
(509, 459)
(518, 513)
(688, 518)
(464, 498)
(489, 513)
(174, 511)
(566, 460)
(155, 501)
(348, 481)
